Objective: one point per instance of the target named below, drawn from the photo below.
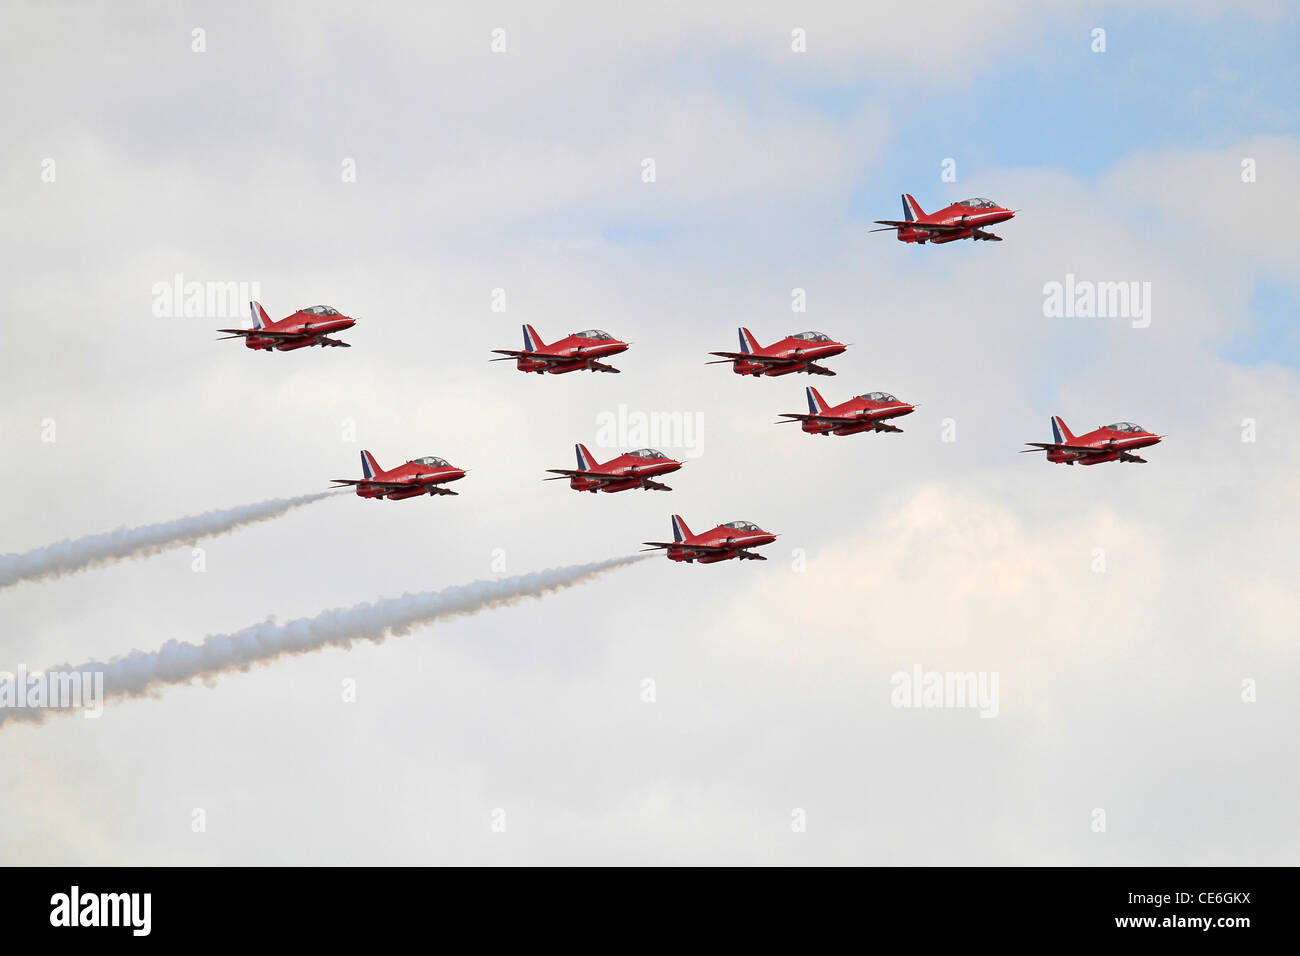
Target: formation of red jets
(797, 352)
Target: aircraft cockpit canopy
(812, 337)
(978, 203)
(431, 460)
(1125, 427)
(320, 310)
(593, 334)
(742, 526)
(878, 397)
(647, 453)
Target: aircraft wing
(380, 484)
(1049, 446)
(751, 357)
(1052, 446)
(394, 485)
(791, 417)
(701, 548)
(235, 333)
(534, 356)
(601, 367)
(916, 224)
(336, 343)
(589, 475)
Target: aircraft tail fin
(816, 404)
(680, 531)
(260, 318)
(369, 467)
(912, 210)
(748, 343)
(586, 461)
(1060, 432)
(532, 341)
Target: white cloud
(476, 173)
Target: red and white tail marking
(260, 318)
(586, 461)
(1060, 431)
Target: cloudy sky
(1140, 619)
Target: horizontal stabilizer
(1051, 446)
(261, 332)
(378, 484)
(751, 357)
(929, 226)
(700, 548)
(794, 417)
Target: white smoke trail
(179, 662)
(77, 554)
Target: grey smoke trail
(179, 662)
(77, 554)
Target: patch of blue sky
(1270, 330)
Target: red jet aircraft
(794, 353)
(305, 327)
(579, 350)
(633, 470)
(864, 413)
(420, 476)
(961, 220)
(1108, 443)
(726, 541)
